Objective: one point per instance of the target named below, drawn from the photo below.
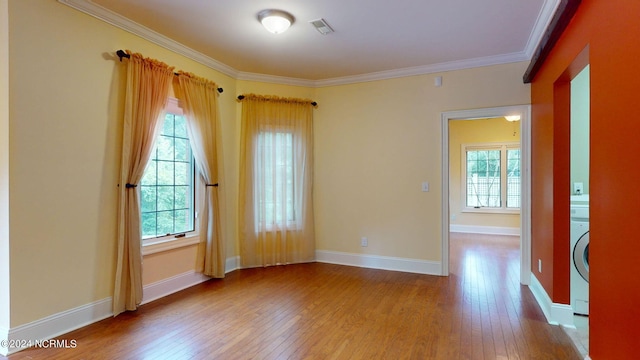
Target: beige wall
(481, 131)
(4, 169)
(376, 142)
(66, 104)
(164, 265)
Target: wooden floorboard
(324, 311)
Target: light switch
(425, 186)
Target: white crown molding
(426, 69)
(542, 22)
(126, 24)
(275, 79)
(117, 20)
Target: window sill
(162, 245)
(492, 211)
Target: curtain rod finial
(122, 54)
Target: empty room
(318, 180)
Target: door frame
(525, 172)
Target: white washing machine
(580, 259)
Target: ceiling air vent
(322, 26)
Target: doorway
(525, 189)
(579, 208)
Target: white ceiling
(371, 36)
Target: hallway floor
(488, 267)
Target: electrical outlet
(364, 242)
(578, 188)
(540, 266)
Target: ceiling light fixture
(275, 21)
(512, 117)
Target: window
(168, 186)
(491, 177)
(274, 171)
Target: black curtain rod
(122, 54)
(240, 97)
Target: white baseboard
(489, 230)
(232, 264)
(60, 323)
(556, 314)
(379, 262)
(69, 320)
(171, 285)
(182, 281)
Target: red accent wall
(606, 35)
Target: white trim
(4, 336)
(503, 147)
(274, 79)
(169, 244)
(72, 319)
(232, 264)
(556, 314)
(525, 197)
(144, 32)
(117, 20)
(542, 23)
(489, 230)
(379, 262)
(168, 286)
(426, 69)
(446, 211)
(525, 202)
(61, 323)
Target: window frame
(503, 147)
(167, 242)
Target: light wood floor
(324, 311)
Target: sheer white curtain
(148, 83)
(199, 98)
(276, 175)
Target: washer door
(581, 256)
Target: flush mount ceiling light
(512, 117)
(275, 21)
